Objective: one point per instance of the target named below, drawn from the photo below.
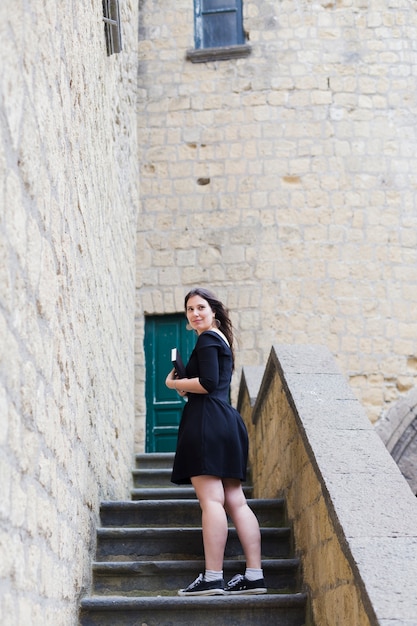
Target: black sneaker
(239, 584)
(201, 587)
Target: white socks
(250, 574)
(253, 574)
(211, 575)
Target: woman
(212, 449)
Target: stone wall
(397, 428)
(286, 182)
(353, 513)
(68, 203)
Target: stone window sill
(205, 55)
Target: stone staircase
(151, 546)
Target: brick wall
(68, 203)
(306, 225)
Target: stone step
(149, 477)
(146, 544)
(151, 546)
(181, 512)
(154, 477)
(154, 460)
(142, 578)
(262, 610)
(169, 492)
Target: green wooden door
(163, 405)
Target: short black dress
(212, 437)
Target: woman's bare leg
(245, 521)
(210, 494)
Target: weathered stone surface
(68, 205)
(334, 414)
(365, 504)
(307, 387)
(308, 228)
(355, 444)
(395, 421)
(306, 359)
(388, 568)
(398, 430)
(354, 514)
(252, 381)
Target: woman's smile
(199, 314)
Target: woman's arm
(184, 385)
(208, 368)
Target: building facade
(280, 173)
(68, 209)
(284, 179)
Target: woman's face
(200, 315)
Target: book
(178, 363)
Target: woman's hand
(170, 379)
(173, 382)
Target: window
(218, 23)
(218, 31)
(112, 26)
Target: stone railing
(354, 515)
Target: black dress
(212, 437)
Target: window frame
(112, 26)
(200, 14)
(202, 53)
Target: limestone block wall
(352, 511)
(68, 203)
(286, 181)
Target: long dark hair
(220, 311)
